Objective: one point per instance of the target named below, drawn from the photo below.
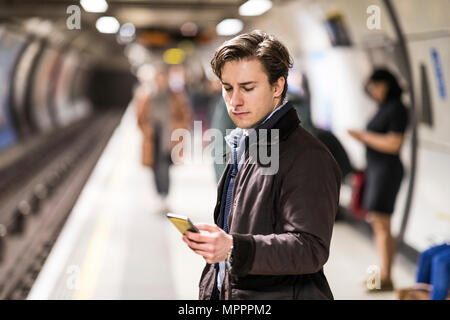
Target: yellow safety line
(94, 259)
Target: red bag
(358, 183)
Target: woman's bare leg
(381, 224)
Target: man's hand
(213, 247)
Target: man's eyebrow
(240, 83)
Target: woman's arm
(390, 142)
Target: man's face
(162, 80)
(247, 92)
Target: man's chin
(243, 124)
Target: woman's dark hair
(383, 75)
(272, 54)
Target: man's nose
(236, 99)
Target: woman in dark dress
(383, 140)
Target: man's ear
(278, 87)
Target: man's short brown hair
(272, 54)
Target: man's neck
(277, 104)
(271, 113)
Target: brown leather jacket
(282, 223)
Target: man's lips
(240, 114)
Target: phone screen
(182, 223)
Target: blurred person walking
(384, 173)
(159, 112)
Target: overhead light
(94, 5)
(127, 30)
(107, 25)
(126, 33)
(255, 7)
(173, 56)
(189, 29)
(229, 27)
(137, 54)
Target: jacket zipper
(235, 187)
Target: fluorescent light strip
(94, 5)
(107, 25)
(255, 7)
(229, 27)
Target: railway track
(38, 191)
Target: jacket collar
(285, 120)
(274, 116)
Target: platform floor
(115, 245)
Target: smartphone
(182, 223)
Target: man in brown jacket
(273, 230)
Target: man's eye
(248, 89)
(227, 89)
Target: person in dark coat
(384, 173)
(273, 220)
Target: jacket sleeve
(306, 207)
